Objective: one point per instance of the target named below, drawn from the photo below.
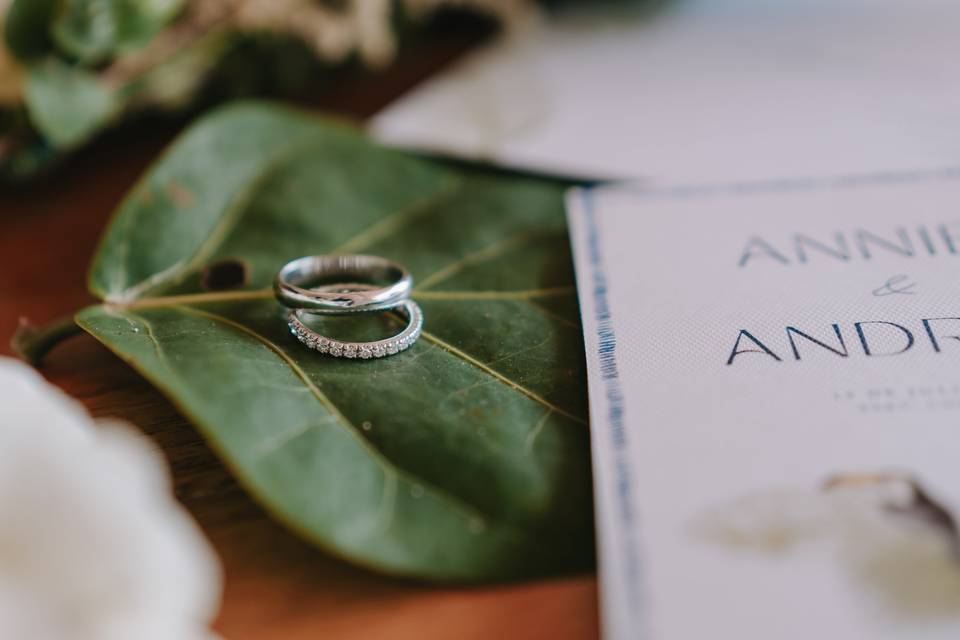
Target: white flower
(93, 545)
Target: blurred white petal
(92, 543)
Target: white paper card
(705, 90)
(746, 344)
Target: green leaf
(67, 104)
(173, 82)
(464, 458)
(94, 30)
(26, 27)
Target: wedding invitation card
(774, 378)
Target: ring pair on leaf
(345, 285)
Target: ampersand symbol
(897, 284)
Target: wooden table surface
(277, 587)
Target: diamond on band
(363, 350)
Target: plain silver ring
(312, 283)
(409, 309)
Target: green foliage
(62, 46)
(26, 27)
(88, 64)
(67, 103)
(464, 458)
(93, 31)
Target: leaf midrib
(265, 294)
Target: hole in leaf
(228, 273)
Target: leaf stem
(195, 298)
(31, 343)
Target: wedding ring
(409, 309)
(312, 283)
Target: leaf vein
(398, 219)
(550, 292)
(480, 256)
(499, 376)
